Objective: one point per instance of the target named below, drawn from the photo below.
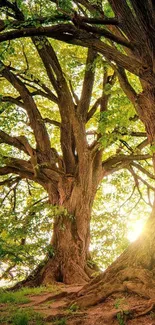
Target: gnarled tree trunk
(69, 261)
(70, 243)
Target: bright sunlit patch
(136, 230)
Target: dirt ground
(118, 309)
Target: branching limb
(105, 33)
(11, 189)
(12, 100)
(136, 180)
(10, 181)
(8, 272)
(19, 142)
(100, 21)
(36, 121)
(19, 167)
(143, 170)
(73, 93)
(93, 109)
(129, 198)
(53, 122)
(35, 83)
(51, 63)
(120, 161)
(88, 83)
(126, 86)
(70, 34)
(142, 145)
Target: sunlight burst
(136, 230)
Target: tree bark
(69, 257)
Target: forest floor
(54, 306)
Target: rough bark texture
(70, 258)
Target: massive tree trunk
(68, 259)
(70, 243)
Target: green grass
(12, 313)
(20, 296)
(22, 317)
(13, 297)
(36, 291)
(61, 321)
(73, 308)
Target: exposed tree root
(58, 296)
(139, 281)
(62, 316)
(143, 309)
(130, 313)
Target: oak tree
(122, 33)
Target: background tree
(71, 177)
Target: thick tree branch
(36, 121)
(56, 18)
(34, 83)
(47, 60)
(21, 172)
(76, 98)
(100, 21)
(71, 34)
(93, 109)
(53, 122)
(126, 86)
(13, 141)
(12, 100)
(142, 145)
(65, 100)
(88, 82)
(144, 14)
(105, 33)
(118, 162)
